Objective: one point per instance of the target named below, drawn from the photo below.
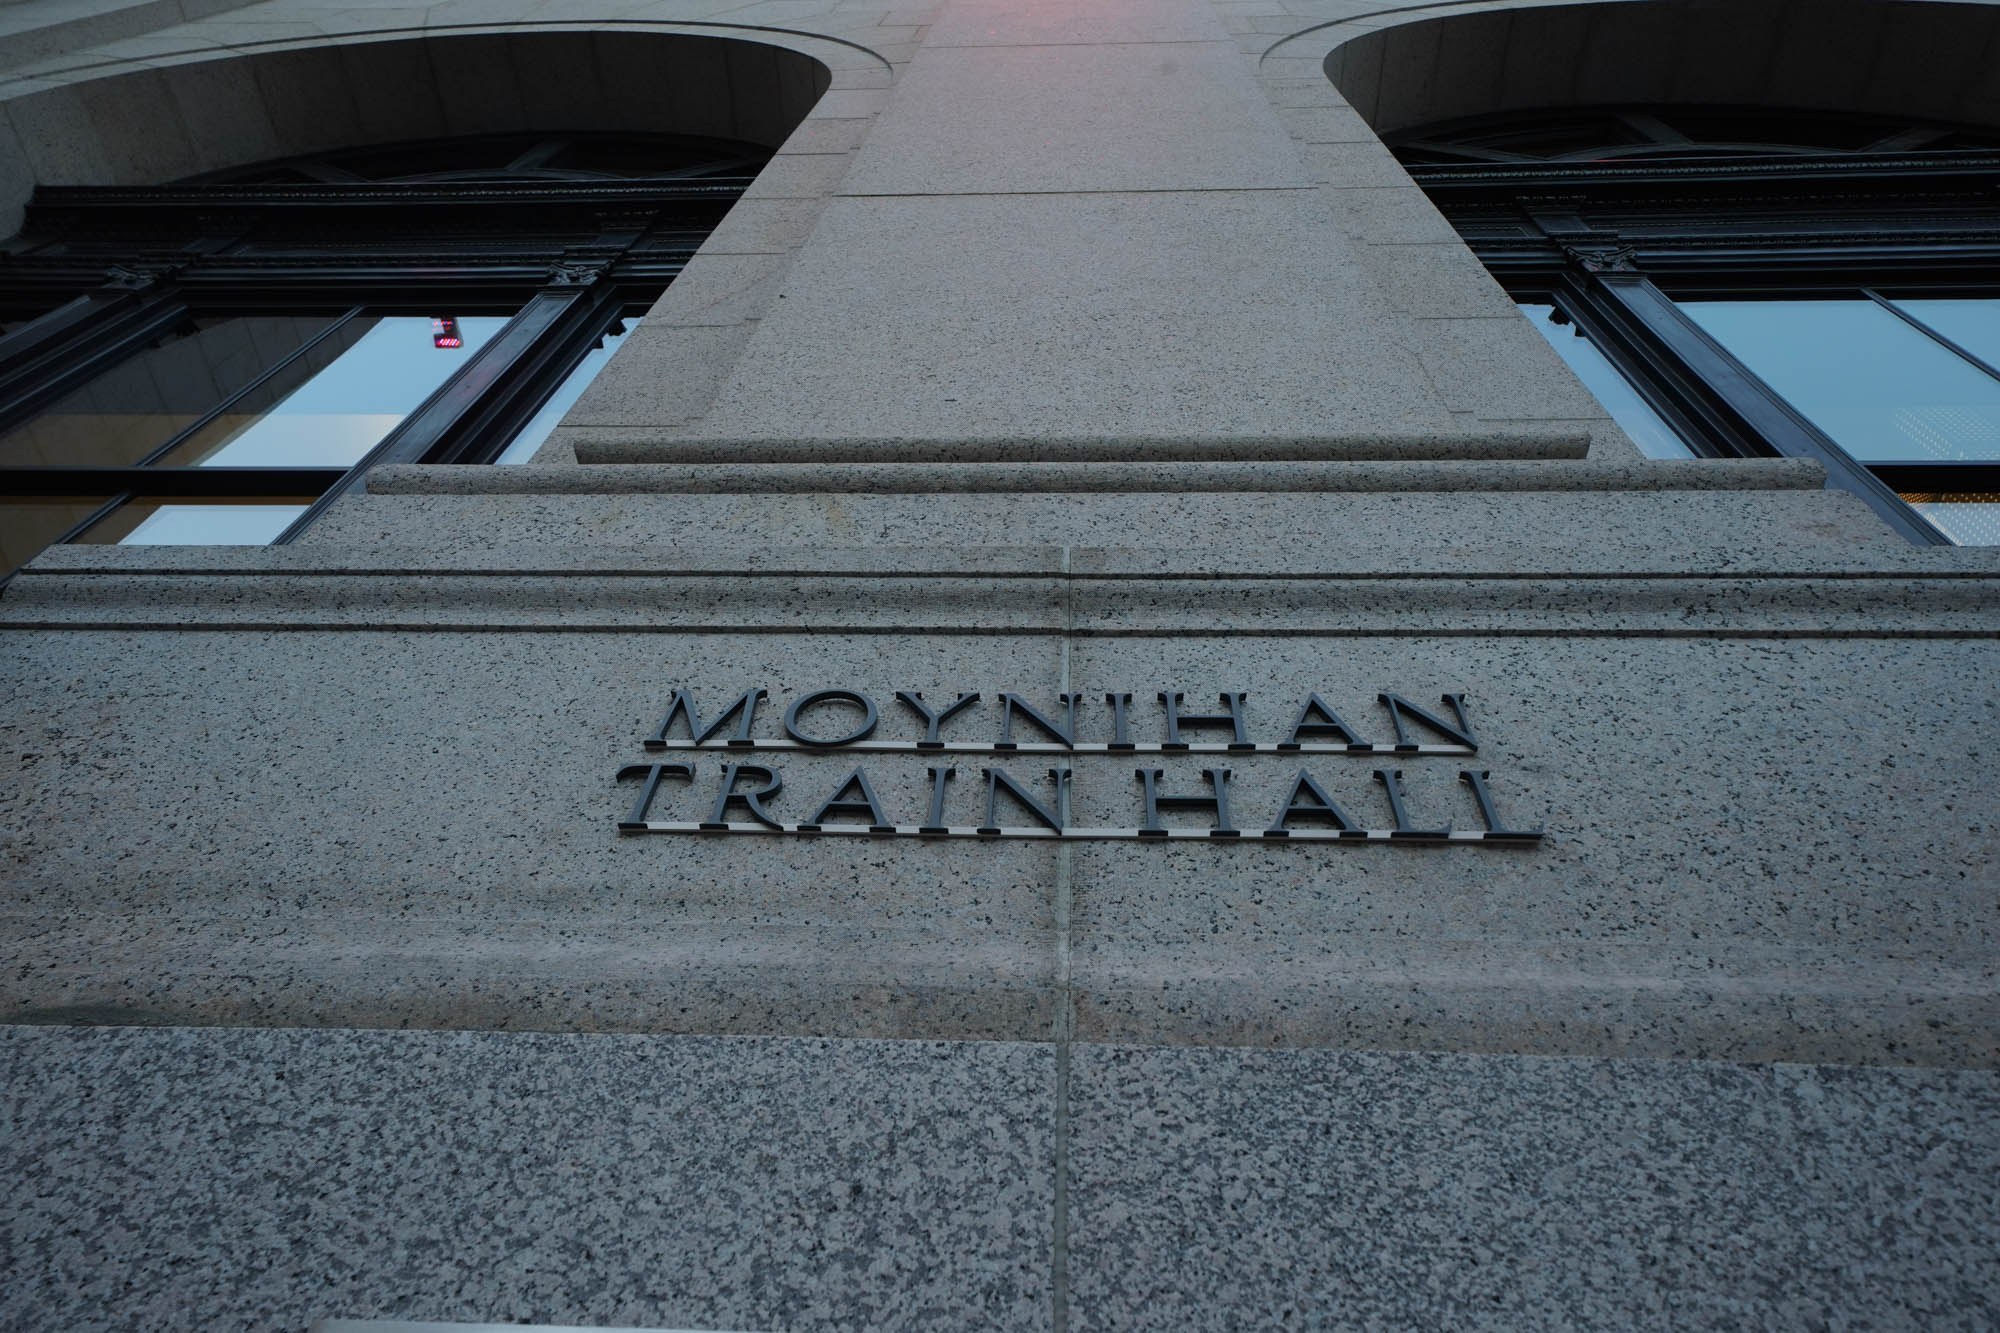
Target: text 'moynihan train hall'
(1053, 665)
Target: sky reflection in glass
(1972, 324)
(1881, 389)
(213, 525)
(339, 414)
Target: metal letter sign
(739, 796)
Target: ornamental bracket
(1604, 257)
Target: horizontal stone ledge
(632, 446)
(1047, 478)
(1796, 607)
(1081, 564)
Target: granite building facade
(1424, 851)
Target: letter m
(744, 710)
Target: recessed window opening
(1758, 282)
(217, 360)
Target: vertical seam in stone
(1064, 1025)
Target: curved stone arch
(1921, 59)
(160, 118)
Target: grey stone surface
(719, 289)
(1756, 849)
(1341, 527)
(1387, 214)
(638, 445)
(1767, 841)
(1223, 1189)
(1140, 116)
(675, 371)
(1061, 22)
(36, 32)
(430, 842)
(1280, 477)
(1500, 368)
(1087, 317)
(1116, 598)
(1437, 281)
(259, 1180)
(1774, 558)
(1177, 391)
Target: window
(1737, 283)
(216, 361)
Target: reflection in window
(1970, 518)
(1877, 386)
(332, 413)
(523, 446)
(30, 522)
(130, 410)
(208, 521)
(1973, 324)
(1648, 429)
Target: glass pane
(523, 446)
(30, 523)
(254, 520)
(331, 413)
(142, 402)
(1648, 429)
(1972, 324)
(1970, 518)
(1881, 389)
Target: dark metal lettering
(1217, 803)
(997, 778)
(1399, 707)
(1009, 702)
(1488, 811)
(934, 817)
(636, 821)
(744, 710)
(1121, 731)
(753, 801)
(868, 717)
(1233, 719)
(932, 721)
(1329, 724)
(1326, 808)
(864, 802)
(1392, 782)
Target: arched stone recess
(1921, 59)
(163, 118)
(1342, 85)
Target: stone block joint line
(1065, 1015)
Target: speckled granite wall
(1092, 347)
(229, 1180)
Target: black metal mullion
(1680, 399)
(185, 434)
(470, 391)
(1940, 477)
(1940, 339)
(44, 331)
(181, 481)
(535, 376)
(88, 340)
(1763, 410)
